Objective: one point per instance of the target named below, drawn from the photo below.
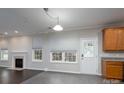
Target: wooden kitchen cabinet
(120, 42)
(112, 70)
(113, 39)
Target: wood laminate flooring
(68, 78)
(8, 76)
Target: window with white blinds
(63, 56)
(4, 54)
(37, 55)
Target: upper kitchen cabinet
(120, 43)
(113, 39)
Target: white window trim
(34, 60)
(2, 60)
(63, 58)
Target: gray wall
(51, 41)
(69, 40)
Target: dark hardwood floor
(8, 76)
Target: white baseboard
(97, 74)
(63, 71)
(34, 68)
(54, 70)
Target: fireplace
(18, 62)
(19, 59)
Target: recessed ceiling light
(16, 31)
(6, 33)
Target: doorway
(89, 56)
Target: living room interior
(61, 46)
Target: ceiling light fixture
(16, 31)
(6, 33)
(58, 27)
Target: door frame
(97, 55)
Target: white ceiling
(34, 20)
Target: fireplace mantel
(19, 51)
(19, 54)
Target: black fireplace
(19, 63)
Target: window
(70, 56)
(4, 55)
(37, 55)
(56, 56)
(89, 49)
(63, 56)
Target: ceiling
(34, 20)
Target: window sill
(37, 61)
(64, 62)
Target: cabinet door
(114, 72)
(110, 39)
(120, 44)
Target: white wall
(69, 40)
